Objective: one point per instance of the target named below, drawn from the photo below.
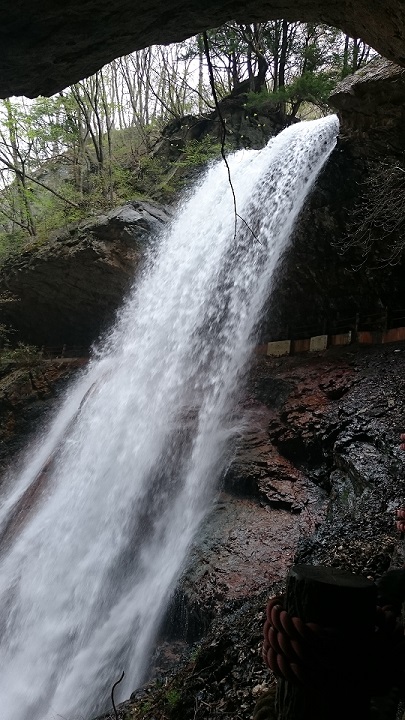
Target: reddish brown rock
(348, 404)
(267, 508)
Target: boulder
(66, 291)
(370, 104)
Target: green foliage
(195, 654)
(199, 152)
(24, 354)
(92, 144)
(157, 177)
(5, 334)
(311, 87)
(149, 174)
(144, 708)
(264, 98)
(12, 243)
(47, 123)
(173, 697)
(122, 180)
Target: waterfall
(89, 559)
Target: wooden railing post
(332, 598)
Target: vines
(223, 138)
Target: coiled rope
(400, 522)
(307, 654)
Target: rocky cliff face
(347, 252)
(320, 450)
(316, 479)
(29, 390)
(247, 125)
(371, 106)
(68, 290)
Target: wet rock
(28, 393)
(247, 543)
(275, 509)
(243, 548)
(222, 676)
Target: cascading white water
(87, 571)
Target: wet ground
(316, 478)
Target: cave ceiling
(47, 45)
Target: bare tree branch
(117, 682)
(223, 138)
(377, 226)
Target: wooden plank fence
(371, 329)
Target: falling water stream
(89, 560)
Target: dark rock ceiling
(47, 45)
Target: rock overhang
(46, 46)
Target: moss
(173, 698)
